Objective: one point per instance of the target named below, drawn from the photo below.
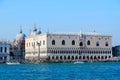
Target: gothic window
(63, 42)
(73, 42)
(81, 44)
(53, 42)
(88, 42)
(97, 44)
(106, 44)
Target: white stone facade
(4, 51)
(69, 47)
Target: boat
(12, 63)
(78, 62)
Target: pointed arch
(53, 42)
(73, 42)
(63, 42)
(106, 44)
(81, 44)
(88, 42)
(97, 43)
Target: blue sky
(103, 16)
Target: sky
(103, 16)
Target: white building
(82, 46)
(4, 51)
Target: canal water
(61, 71)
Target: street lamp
(39, 44)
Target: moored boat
(78, 62)
(12, 63)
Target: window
(106, 44)
(1, 49)
(88, 42)
(53, 42)
(63, 42)
(5, 49)
(81, 44)
(73, 42)
(97, 44)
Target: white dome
(20, 36)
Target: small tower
(39, 32)
(34, 30)
(81, 34)
(94, 30)
(20, 29)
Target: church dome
(20, 36)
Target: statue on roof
(34, 28)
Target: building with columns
(4, 51)
(67, 47)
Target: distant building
(18, 47)
(4, 51)
(116, 51)
(82, 46)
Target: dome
(39, 32)
(20, 36)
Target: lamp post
(39, 44)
